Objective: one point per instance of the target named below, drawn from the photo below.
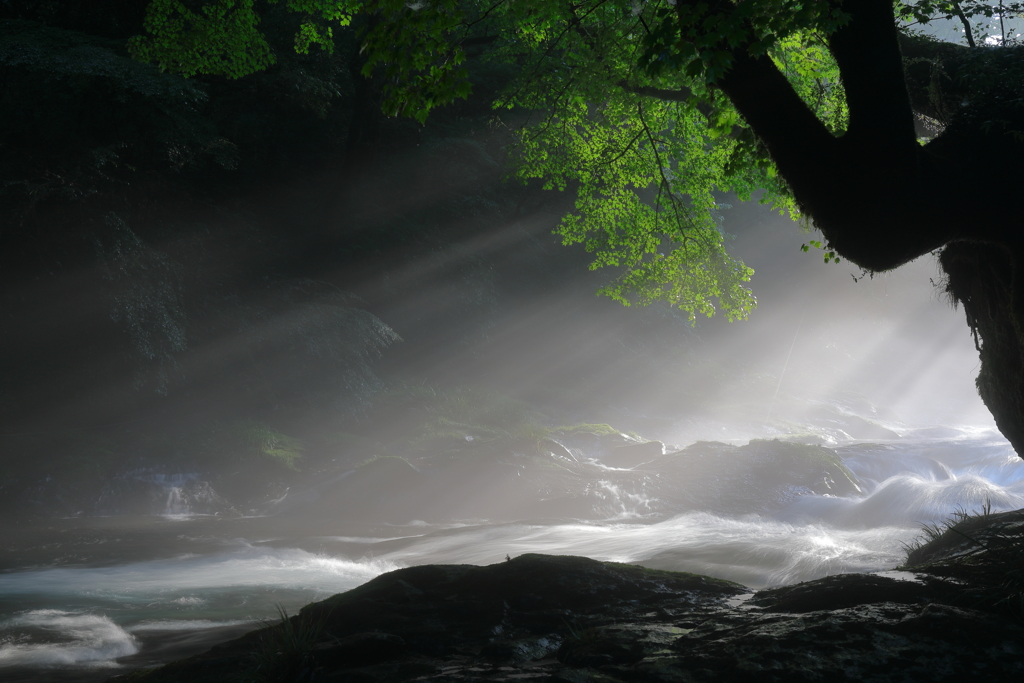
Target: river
(84, 598)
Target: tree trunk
(986, 280)
(364, 126)
(881, 198)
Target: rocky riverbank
(572, 619)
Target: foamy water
(175, 580)
(57, 638)
(99, 619)
(91, 616)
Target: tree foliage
(110, 188)
(619, 109)
(623, 106)
(975, 16)
(223, 36)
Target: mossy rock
(771, 463)
(855, 426)
(633, 455)
(376, 489)
(592, 429)
(757, 477)
(816, 467)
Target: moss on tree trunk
(986, 280)
(881, 198)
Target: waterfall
(176, 503)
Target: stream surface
(84, 598)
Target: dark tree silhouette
(882, 199)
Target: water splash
(905, 483)
(166, 580)
(49, 638)
(183, 624)
(176, 504)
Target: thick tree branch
(797, 141)
(868, 53)
(682, 94)
(679, 95)
(854, 187)
(930, 68)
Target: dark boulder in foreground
(571, 619)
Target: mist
(276, 394)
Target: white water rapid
(208, 576)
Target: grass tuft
(931, 533)
(284, 651)
(264, 442)
(982, 552)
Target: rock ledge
(572, 619)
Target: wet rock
(571, 619)
(358, 649)
(632, 455)
(600, 647)
(596, 441)
(521, 650)
(556, 449)
(842, 591)
(967, 536)
(359, 494)
(758, 477)
(478, 617)
(853, 425)
(506, 479)
(939, 432)
(874, 642)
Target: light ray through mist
(505, 319)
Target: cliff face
(574, 619)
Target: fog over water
(879, 372)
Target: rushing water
(83, 598)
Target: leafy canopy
(981, 22)
(618, 99)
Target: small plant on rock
(983, 553)
(284, 651)
(261, 441)
(578, 639)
